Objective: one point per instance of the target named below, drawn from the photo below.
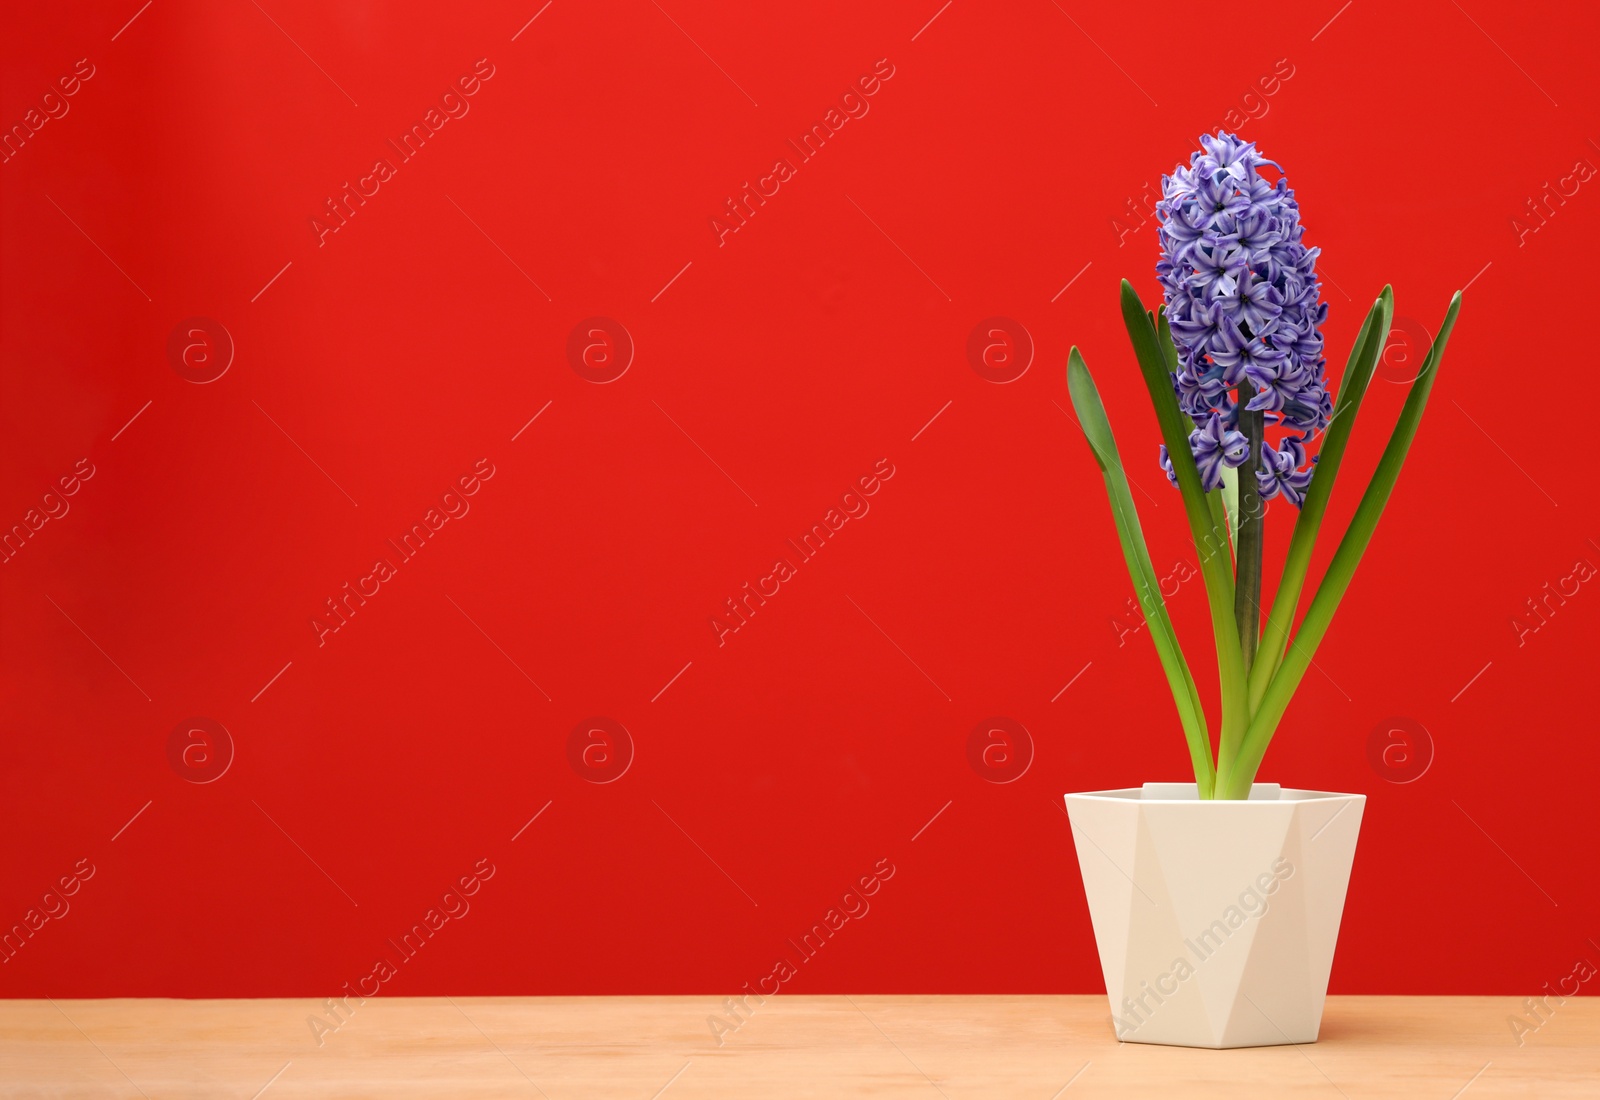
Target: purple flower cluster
(1242, 300)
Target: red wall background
(998, 172)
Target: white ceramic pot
(1216, 920)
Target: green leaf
(1340, 571)
(1206, 527)
(1147, 586)
(1364, 356)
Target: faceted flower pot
(1216, 920)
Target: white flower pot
(1216, 920)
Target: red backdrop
(253, 338)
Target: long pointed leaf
(1364, 356)
(1210, 536)
(1097, 430)
(1337, 579)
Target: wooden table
(1049, 1048)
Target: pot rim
(1270, 794)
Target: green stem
(1252, 532)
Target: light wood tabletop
(1047, 1047)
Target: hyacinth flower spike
(1233, 362)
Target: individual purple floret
(1243, 303)
(1214, 445)
(1285, 471)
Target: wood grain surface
(1050, 1048)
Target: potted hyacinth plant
(1216, 904)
